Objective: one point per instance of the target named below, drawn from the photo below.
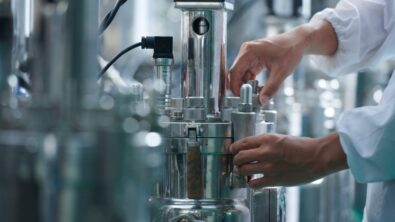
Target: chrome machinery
(199, 182)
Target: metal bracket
(193, 132)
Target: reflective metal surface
(199, 182)
(198, 211)
(268, 204)
(162, 76)
(228, 4)
(203, 55)
(73, 151)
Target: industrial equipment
(75, 148)
(199, 182)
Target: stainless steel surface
(216, 162)
(244, 119)
(199, 166)
(195, 114)
(91, 152)
(268, 205)
(244, 123)
(199, 211)
(163, 79)
(194, 102)
(230, 104)
(228, 4)
(215, 169)
(194, 109)
(246, 98)
(206, 129)
(203, 55)
(199, 182)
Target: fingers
(238, 74)
(246, 156)
(251, 142)
(248, 75)
(270, 88)
(263, 182)
(254, 155)
(257, 168)
(245, 67)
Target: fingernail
(264, 99)
(230, 149)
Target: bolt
(246, 94)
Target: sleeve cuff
(363, 144)
(354, 164)
(345, 24)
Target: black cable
(110, 16)
(110, 63)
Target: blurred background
(73, 149)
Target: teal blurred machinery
(71, 149)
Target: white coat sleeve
(367, 136)
(365, 32)
(366, 35)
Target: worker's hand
(286, 160)
(279, 55)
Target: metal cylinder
(163, 68)
(244, 124)
(204, 51)
(183, 155)
(246, 98)
(246, 94)
(244, 120)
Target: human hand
(286, 160)
(279, 55)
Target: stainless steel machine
(79, 151)
(199, 182)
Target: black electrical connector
(162, 46)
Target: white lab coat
(366, 34)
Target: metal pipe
(203, 55)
